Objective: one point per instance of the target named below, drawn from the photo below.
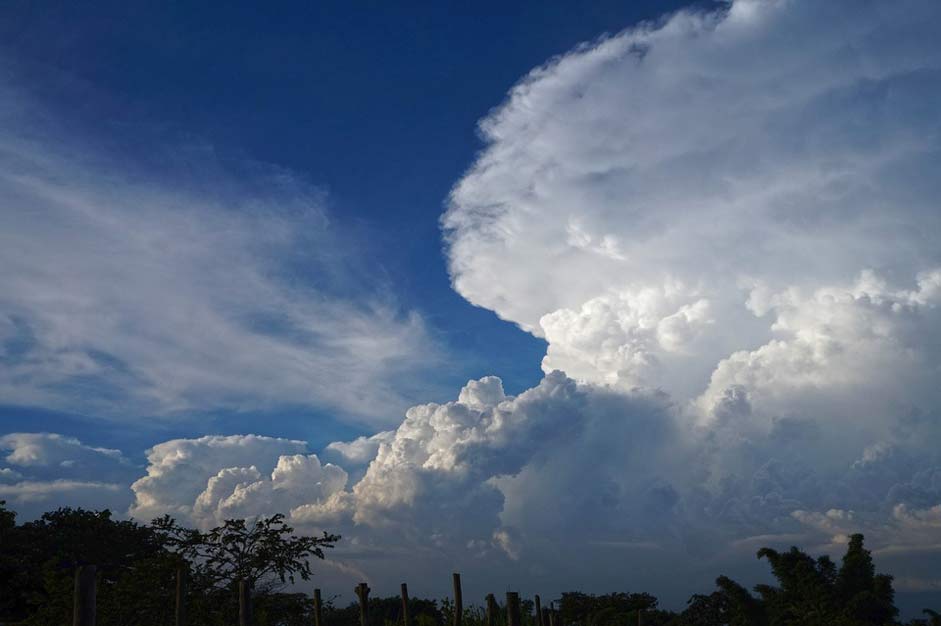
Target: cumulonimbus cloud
(635, 194)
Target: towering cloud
(636, 194)
(737, 208)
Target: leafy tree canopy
(258, 552)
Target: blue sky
(531, 292)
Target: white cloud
(631, 191)
(833, 348)
(50, 449)
(457, 447)
(564, 473)
(628, 338)
(207, 480)
(170, 289)
(297, 480)
(184, 473)
(361, 450)
(50, 470)
(472, 477)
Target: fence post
(179, 617)
(552, 616)
(405, 619)
(545, 616)
(458, 599)
(318, 609)
(538, 607)
(362, 592)
(245, 603)
(512, 608)
(83, 597)
(640, 617)
(491, 610)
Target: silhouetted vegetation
(138, 566)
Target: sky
(559, 296)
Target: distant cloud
(51, 449)
(179, 471)
(189, 284)
(245, 492)
(8, 474)
(32, 491)
(48, 470)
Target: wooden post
(538, 607)
(318, 609)
(545, 616)
(83, 597)
(458, 599)
(492, 609)
(245, 603)
(640, 617)
(180, 613)
(405, 619)
(362, 592)
(512, 608)
(552, 617)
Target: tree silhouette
(865, 597)
(259, 552)
(810, 592)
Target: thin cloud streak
(213, 286)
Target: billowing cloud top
(637, 194)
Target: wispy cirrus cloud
(184, 282)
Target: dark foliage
(39, 560)
(138, 565)
(383, 611)
(258, 553)
(612, 608)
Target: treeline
(138, 565)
